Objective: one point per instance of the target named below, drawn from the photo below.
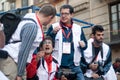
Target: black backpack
(10, 22)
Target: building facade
(103, 12)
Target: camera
(100, 68)
(67, 73)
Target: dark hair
(46, 38)
(97, 28)
(48, 10)
(117, 60)
(67, 7)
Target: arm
(83, 39)
(28, 34)
(51, 33)
(107, 64)
(83, 63)
(32, 67)
(2, 37)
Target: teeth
(46, 48)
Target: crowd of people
(63, 53)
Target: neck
(68, 24)
(40, 17)
(97, 44)
(47, 55)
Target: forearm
(51, 33)
(83, 38)
(107, 64)
(2, 36)
(32, 67)
(2, 39)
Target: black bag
(68, 73)
(10, 22)
(34, 78)
(3, 54)
(100, 78)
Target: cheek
(51, 50)
(47, 22)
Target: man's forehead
(47, 40)
(65, 9)
(99, 32)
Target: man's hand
(56, 29)
(82, 43)
(95, 76)
(63, 77)
(93, 66)
(18, 78)
(40, 54)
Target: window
(12, 5)
(24, 4)
(115, 21)
(3, 6)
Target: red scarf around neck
(67, 25)
(49, 59)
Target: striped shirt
(28, 35)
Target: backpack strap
(29, 19)
(95, 55)
(101, 52)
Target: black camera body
(67, 73)
(100, 66)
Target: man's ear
(71, 14)
(51, 17)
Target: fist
(40, 54)
(56, 29)
(82, 43)
(93, 66)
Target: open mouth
(47, 48)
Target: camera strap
(95, 55)
(101, 52)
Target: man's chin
(44, 24)
(48, 52)
(64, 21)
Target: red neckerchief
(49, 59)
(116, 65)
(66, 25)
(40, 26)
